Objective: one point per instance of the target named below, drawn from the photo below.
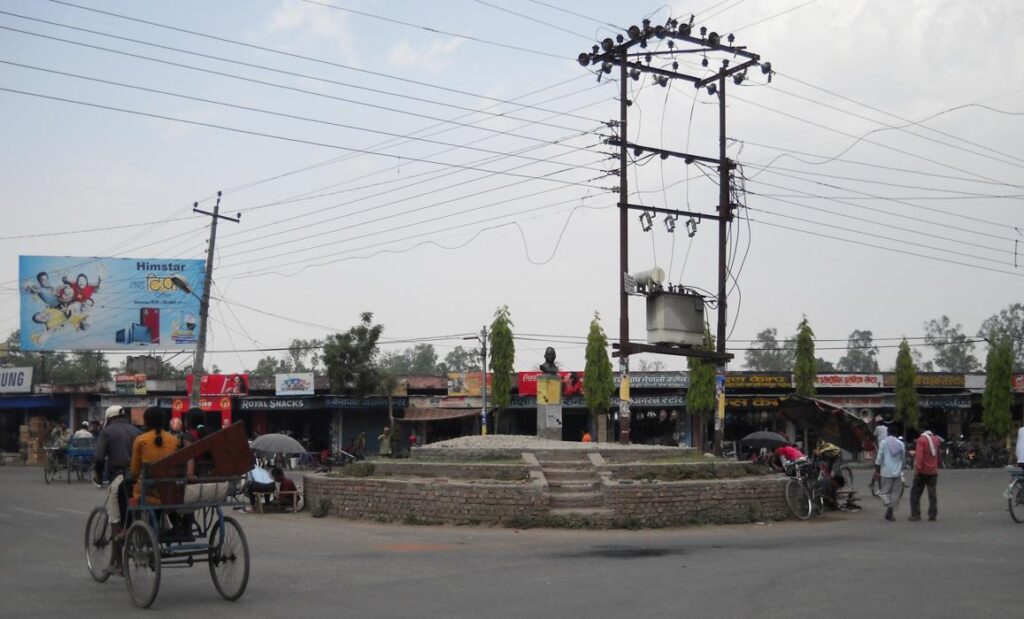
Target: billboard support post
(204, 302)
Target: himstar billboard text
(70, 303)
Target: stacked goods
(38, 437)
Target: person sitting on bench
(286, 491)
(258, 481)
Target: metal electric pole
(204, 301)
(630, 53)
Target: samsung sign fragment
(16, 380)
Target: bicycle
(1014, 494)
(802, 496)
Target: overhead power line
(271, 136)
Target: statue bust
(549, 367)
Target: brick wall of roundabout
(432, 492)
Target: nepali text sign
(466, 383)
(130, 384)
(572, 382)
(16, 380)
(334, 401)
(661, 380)
(293, 384)
(220, 384)
(109, 303)
(847, 381)
(755, 381)
(930, 380)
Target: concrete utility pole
(482, 338)
(204, 302)
(631, 54)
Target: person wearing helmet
(114, 452)
(83, 432)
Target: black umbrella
(770, 440)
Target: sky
(431, 161)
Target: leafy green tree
(268, 366)
(907, 410)
(598, 379)
(767, 355)
(1008, 324)
(421, 359)
(500, 360)
(351, 358)
(861, 353)
(58, 368)
(998, 396)
(805, 366)
(303, 355)
(700, 395)
(461, 360)
(821, 365)
(953, 348)
(649, 365)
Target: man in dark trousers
(114, 451)
(926, 475)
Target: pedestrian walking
(385, 443)
(889, 471)
(926, 475)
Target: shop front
(353, 416)
(657, 420)
(305, 418)
(26, 422)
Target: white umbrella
(278, 443)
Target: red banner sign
(572, 383)
(220, 384)
(222, 405)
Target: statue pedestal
(549, 406)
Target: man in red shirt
(926, 475)
(286, 490)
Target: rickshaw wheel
(229, 559)
(141, 563)
(49, 470)
(98, 544)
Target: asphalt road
(967, 564)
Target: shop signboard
(751, 402)
(657, 380)
(280, 404)
(758, 381)
(974, 382)
(219, 384)
(70, 303)
(221, 404)
(16, 380)
(335, 401)
(293, 384)
(130, 384)
(467, 383)
(930, 380)
(847, 381)
(889, 401)
(572, 382)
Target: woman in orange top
(152, 445)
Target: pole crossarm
(699, 353)
(686, 157)
(669, 211)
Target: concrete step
(572, 486)
(577, 499)
(561, 455)
(566, 464)
(560, 475)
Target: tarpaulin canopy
(830, 422)
(436, 414)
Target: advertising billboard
(467, 383)
(219, 384)
(130, 384)
(16, 380)
(293, 384)
(572, 382)
(70, 303)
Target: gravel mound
(526, 443)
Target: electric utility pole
(630, 54)
(482, 338)
(204, 302)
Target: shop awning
(437, 414)
(33, 401)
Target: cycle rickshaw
(73, 459)
(206, 535)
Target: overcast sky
(484, 184)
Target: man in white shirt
(83, 432)
(259, 481)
